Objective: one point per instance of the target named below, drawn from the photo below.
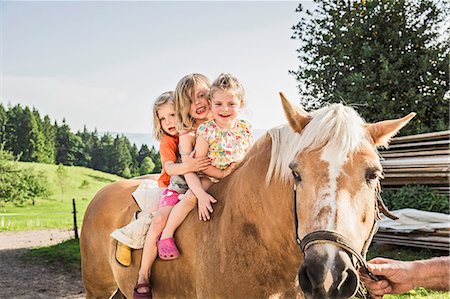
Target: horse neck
(264, 210)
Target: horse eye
(297, 177)
(372, 176)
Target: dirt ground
(20, 279)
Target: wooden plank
(416, 169)
(424, 136)
(387, 155)
(419, 144)
(412, 149)
(416, 175)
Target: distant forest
(32, 138)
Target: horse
(293, 220)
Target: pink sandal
(167, 249)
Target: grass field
(55, 211)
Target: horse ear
(296, 116)
(382, 131)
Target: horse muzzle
(328, 273)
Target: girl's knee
(158, 223)
(191, 200)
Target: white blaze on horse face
(332, 155)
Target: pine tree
(386, 56)
(155, 156)
(69, 147)
(22, 133)
(134, 167)
(3, 121)
(144, 151)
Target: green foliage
(17, 185)
(387, 56)
(50, 211)
(147, 166)
(416, 197)
(61, 178)
(156, 158)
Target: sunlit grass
(55, 211)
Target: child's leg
(150, 251)
(178, 214)
(181, 210)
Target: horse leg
(98, 278)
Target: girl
(134, 234)
(192, 91)
(225, 140)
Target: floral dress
(226, 146)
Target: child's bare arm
(201, 149)
(189, 164)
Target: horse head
(336, 172)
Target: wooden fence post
(75, 227)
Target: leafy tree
(386, 56)
(18, 185)
(147, 166)
(61, 178)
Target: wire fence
(4, 217)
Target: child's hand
(204, 206)
(227, 171)
(197, 164)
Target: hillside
(55, 211)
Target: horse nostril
(349, 284)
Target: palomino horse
(325, 164)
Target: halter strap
(331, 237)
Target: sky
(102, 64)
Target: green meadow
(55, 211)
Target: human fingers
(192, 154)
(212, 199)
(377, 288)
(201, 213)
(380, 260)
(205, 215)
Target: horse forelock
(336, 126)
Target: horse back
(112, 207)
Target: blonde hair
(165, 98)
(228, 82)
(183, 98)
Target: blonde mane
(335, 125)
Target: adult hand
(204, 206)
(398, 277)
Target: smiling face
(225, 107)
(199, 108)
(166, 116)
